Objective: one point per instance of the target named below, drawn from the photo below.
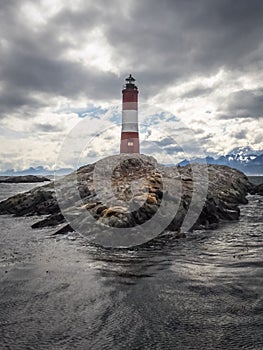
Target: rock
(23, 179)
(113, 211)
(39, 201)
(151, 199)
(89, 206)
(51, 220)
(137, 181)
(64, 230)
(258, 189)
(100, 209)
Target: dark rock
(64, 230)
(23, 179)
(100, 209)
(51, 220)
(258, 189)
(39, 201)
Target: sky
(198, 66)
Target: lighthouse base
(130, 142)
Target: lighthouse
(130, 130)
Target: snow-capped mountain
(245, 159)
(243, 154)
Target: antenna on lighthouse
(130, 79)
(130, 129)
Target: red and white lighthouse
(130, 130)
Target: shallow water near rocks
(201, 292)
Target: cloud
(173, 40)
(201, 61)
(243, 104)
(197, 91)
(192, 40)
(46, 128)
(167, 141)
(240, 134)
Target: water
(201, 292)
(256, 180)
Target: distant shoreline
(23, 179)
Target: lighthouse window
(130, 143)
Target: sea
(204, 291)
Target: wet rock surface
(128, 190)
(258, 189)
(23, 179)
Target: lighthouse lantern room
(130, 130)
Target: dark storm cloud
(243, 104)
(55, 76)
(250, 101)
(162, 42)
(166, 41)
(35, 62)
(12, 99)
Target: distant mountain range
(244, 159)
(40, 170)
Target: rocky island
(127, 191)
(23, 179)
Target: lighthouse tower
(130, 130)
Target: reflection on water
(201, 292)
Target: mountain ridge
(245, 159)
(39, 170)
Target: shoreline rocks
(23, 179)
(105, 187)
(258, 189)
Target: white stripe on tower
(130, 120)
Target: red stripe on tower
(130, 130)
